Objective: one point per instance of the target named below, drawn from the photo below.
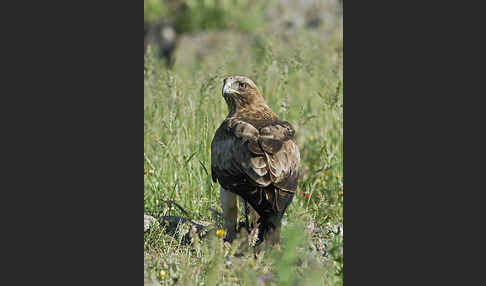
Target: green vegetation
(301, 80)
(197, 15)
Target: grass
(189, 16)
(301, 80)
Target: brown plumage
(254, 155)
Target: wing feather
(239, 152)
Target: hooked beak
(227, 88)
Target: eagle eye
(242, 85)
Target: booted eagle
(254, 155)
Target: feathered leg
(230, 213)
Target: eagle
(254, 155)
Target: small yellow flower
(311, 138)
(324, 182)
(253, 263)
(162, 273)
(318, 181)
(323, 174)
(220, 233)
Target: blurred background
(185, 31)
(293, 51)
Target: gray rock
(192, 49)
(147, 221)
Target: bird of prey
(254, 155)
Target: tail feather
(270, 203)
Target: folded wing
(242, 155)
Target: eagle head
(240, 91)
